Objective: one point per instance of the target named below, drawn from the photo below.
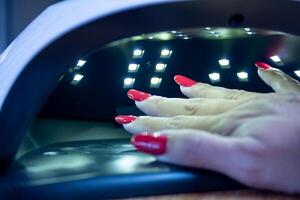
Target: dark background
(15, 15)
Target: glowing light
(165, 36)
(78, 77)
(155, 82)
(243, 76)
(138, 53)
(165, 53)
(214, 77)
(275, 58)
(81, 63)
(50, 153)
(128, 82)
(160, 67)
(207, 28)
(133, 67)
(128, 163)
(247, 29)
(224, 62)
(297, 72)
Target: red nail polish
(262, 65)
(184, 81)
(125, 119)
(150, 143)
(137, 95)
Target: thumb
(278, 80)
(234, 157)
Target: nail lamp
(35, 62)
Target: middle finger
(168, 107)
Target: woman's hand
(251, 137)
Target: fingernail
(125, 119)
(137, 95)
(150, 143)
(184, 81)
(262, 65)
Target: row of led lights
(156, 81)
(225, 63)
(214, 77)
(168, 35)
(216, 34)
(164, 53)
(77, 76)
(159, 67)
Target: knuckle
(235, 94)
(176, 122)
(192, 108)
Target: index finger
(192, 89)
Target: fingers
(151, 124)
(192, 89)
(277, 79)
(225, 123)
(167, 107)
(235, 157)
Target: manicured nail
(125, 119)
(262, 65)
(184, 81)
(150, 143)
(137, 95)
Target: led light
(76, 79)
(128, 82)
(133, 67)
(186, 38)
(80, 63)
(275, 58)
(50, 153)
(155, 82)
(243, 76)
(138, 53)
(213, 32)
(224, 62)
(247, 29)
(207, 28)
(165, 36)
(250, 33)
(214, 77)
(150, 37)
(297, 72)
(165, 53)
(173, 31)
(160, 67)
(180, 35)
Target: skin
(251, 137)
